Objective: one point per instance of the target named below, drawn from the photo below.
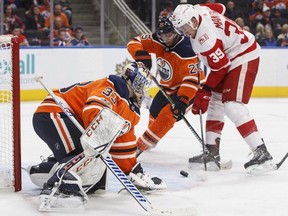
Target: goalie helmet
(137, 77)
(183, 14)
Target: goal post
(10, 137)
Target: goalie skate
(53, 200)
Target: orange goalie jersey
(85, 100)
(176, 65)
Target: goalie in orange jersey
(177, 66)
(122, 95)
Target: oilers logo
(126, 128)
(164, 69)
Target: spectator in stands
(266, 18)
(34, 20)
(167, 11)
(260, 34)
(61, 40)
(240, 21)
(16, 31)
(246, 28)
(58, 25)
(44, 7)
(256, 10)
(66, 8)
(231, 12)
(79, 38)
(58, 13)
(282, 39)
(13, 3)
(11, 19)
(269, 37)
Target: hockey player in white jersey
(232, 54)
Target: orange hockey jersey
(176, 65)
(85, 100)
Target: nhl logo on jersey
(203, 38)
(164, 69)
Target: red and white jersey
(220, 42)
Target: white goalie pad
(101, 133)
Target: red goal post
(10, 148)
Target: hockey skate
(62, 191)
(261, 162)
(143, 181)
(197, 162)
(40, 173)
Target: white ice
(224, 193)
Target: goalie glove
(144, 57)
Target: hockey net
(10, 159)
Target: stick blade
(186, 211)
(38, 78)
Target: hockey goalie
(108, 109)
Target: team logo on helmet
(164, 68)
(165, 26)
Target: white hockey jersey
(220, 42)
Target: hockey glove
(201, 100)
(181, 104)
(144, 57)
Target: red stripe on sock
(214, 126)
(247, 128)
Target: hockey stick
(117, 172)
(278, 165)
(186, 121)
(201, 121)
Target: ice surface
(224, 193)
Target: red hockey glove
(181, 104)
(144, 57)
(201, 100)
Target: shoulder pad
(184, 48)
(120, 86)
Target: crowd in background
(30, 21)
(266, 19)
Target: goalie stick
(118, 173)
(227, 165)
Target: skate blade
(262, 168)
(211, 166)
(59, 203)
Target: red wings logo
(203, 38)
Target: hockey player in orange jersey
(177, 66)
(123, 95)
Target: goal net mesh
(7, 177)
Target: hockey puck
(184, 173)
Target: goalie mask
(137, 77)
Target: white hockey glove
(143, 181)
